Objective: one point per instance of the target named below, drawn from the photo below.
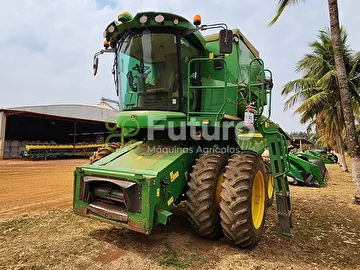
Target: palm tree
(352, 139)
(318, 91)
(319, 108)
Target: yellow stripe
(29, 147)
(250, 135)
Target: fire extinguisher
(249, 118)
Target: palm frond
(328, 81)
(281, 7)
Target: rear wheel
(269, 184)
(204, 195)
(104, 150)
(243, 199)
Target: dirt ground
(28, 186)
(39, 231)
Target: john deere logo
(133, 117)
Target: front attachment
(135, 187)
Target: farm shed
(60, 124)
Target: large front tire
(204, 195)
(243, 199)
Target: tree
(352, 140)
(301, 134)
(319, 92)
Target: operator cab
(153, 53)
(148, 71)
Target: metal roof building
(62, 124)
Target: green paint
(303, 170)
(152, 172)
(144, 119)
(210, 89)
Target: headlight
(111, 29)
(159, 18)
(143, 19)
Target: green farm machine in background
(308, 167)
(316, 154)
(193, 124)
(307, 172)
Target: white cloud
(46, 47)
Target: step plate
(108, 211)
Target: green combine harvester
(193, 124)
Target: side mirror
(96, 60)
(95, 65)
(225, 41)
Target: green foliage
(281, 7)
(301, 134)
(318, 93)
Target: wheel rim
(258, 200)
(270, 186)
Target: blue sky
(46, 46)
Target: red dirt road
(28, 187)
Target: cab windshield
(148, 72)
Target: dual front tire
(204, 196)
(229, 196)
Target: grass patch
(180, 258)
(172, 258)
(45, 240)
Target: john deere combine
(191, 128)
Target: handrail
(260, 100)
